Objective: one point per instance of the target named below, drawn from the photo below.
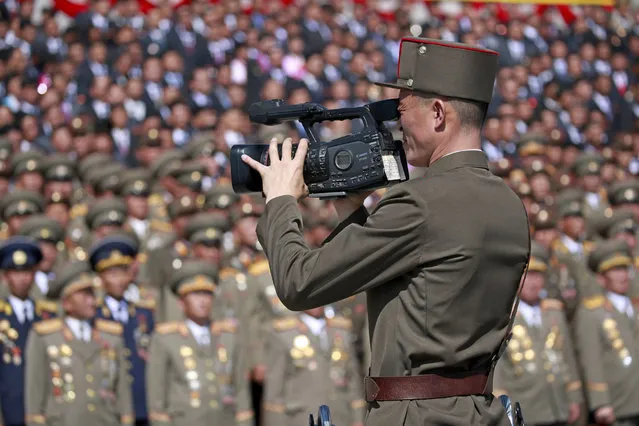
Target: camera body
(357, 162)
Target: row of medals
(302, 349)
(193, 378)
(11, 351)
(610, 327)
(520, 349)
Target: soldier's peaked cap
(443, 68)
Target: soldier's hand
(573, 412)
(605, 415)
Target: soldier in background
(77, 370)
(19, 257)
(104, 217)
(606, 338)
(17, 206)
(588, 171)
(26, 170)
(311, 361)
(112, 259)
(58, 208)
(539, 369)
(59, 174)
(197, 370)
(6, 149)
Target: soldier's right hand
(605, 415)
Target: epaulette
(146, 304)
(79, 210)
(227, 273)
(142, 258)
(559, 246)
(283, 324)
(224, 326)
(167, 327)
(339, 322)
(594, 302)
(636, 261)
(156, 199)
(552, 305)
(46, 305)
(259, 267)
(107, 326)
(589, 246)
(48, 326)
(159, 225)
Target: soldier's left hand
(284, 176)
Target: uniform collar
(621, 302)
(463, 158)
(19, 307)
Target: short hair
(472, 114)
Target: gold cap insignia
(629, 194)
(113, 215)
(224, 200)
(139, 185)
(211, 233)
(185, 201)
(45, 233)
(593, 166)
(247, 208)
(196, 176)
(31, 165)
(19, 257)
(154, 134)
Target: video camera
(358, 162)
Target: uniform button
(90, 393)
(89, 378)
(91, 407)
(210, 375)
(213, 404)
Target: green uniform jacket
(441, 258)
(189, 384)
(538, 370)
(302, 374)
(608, 348)
(74, 383)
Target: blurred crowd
(116, 123)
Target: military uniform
(354, 309)
(429, 251)
(17, 316)
(159, 198)
(29, 162)
(539, 369)
(306, 369)
(589, 164)
(137, 322)
(71, 381)
(607, 342)
(192, 381)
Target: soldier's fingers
(302, 149)
(287, 147)
(274, 156)
(259, 167)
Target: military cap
(207, 228)
(182, 206)
(109, 211)
(135, 182)
(588, 164)
(58, 198)
(539, 258)
(112, 251)
(6, 149)
(42, 228)
(523, 189)
(251, 205)
(569, 208)
(69, 278)
(563, 180)
(92, 162)
(25, 162)
(193, 276)
(189, 175)
(538, 166)
(106, 178)
(221, 197)
(166, 163)
(19, 252)
(446, 69)
(58, 167)
(81, 126)
(530, 144)
(21, 203)
(200, 148)
(151, 138)
(624, 192)
(608, 255)
(619, 222)
(544, 219)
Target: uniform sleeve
(244, 407)
(274, 410)
(356, 259)
(573, 383)
(125, 397)
(157, 369)
(588, 342)
(36, 380)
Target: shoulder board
(107, 326)
(228, 272)
(79, 210)
(560, 247)
(259, 267)
(589, 246)
(552, 305)
(159, 225)
(156, 199)
(46, 305)
(340, 322)
(146, 304)
(167, 327)
(283, 324)
(48, 326)
(594, 302)
(636, 261)
(224, 326)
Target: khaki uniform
(305, 372)
(190, 384)
(70, 382)
(538, 369)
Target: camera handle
(336, 114)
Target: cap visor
(392, 85)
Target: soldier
(49, 235)
(197, 369)
(311, 360)
(188, 179)
(104, 216)
(59, 173)
(19, 257)
(220, 198)
(204, 152)
(112, 258)
(26, 169)
(625, 194)
(18, 206)
(532, 147)
(105, 180)
(77, 371)
(588, 171)
(353, 308)
(539, 369)
(607, 341)
(6, 148)
(58, 208)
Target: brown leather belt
(426, 386)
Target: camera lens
(343, 160)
